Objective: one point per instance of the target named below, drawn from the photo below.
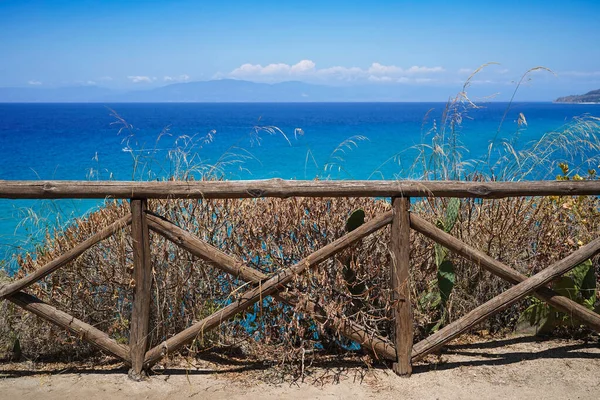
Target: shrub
(270, 234)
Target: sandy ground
(517, 368)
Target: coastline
(577, 102)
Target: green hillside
(589, 97)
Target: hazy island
(589, 97)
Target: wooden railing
(401, 351)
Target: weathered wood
(289, 188)
(267, 288)
(229, 264)
(142, 271)
(504, 300)
(85, 331)
(400, 251)
(63, 259)
(505, 272)
(203, 250)
(378, 346)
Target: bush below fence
(270, 234)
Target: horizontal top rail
(288, 188)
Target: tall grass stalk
(272, 234)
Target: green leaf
(452, 213)
(584, 276)
(440, 224)
(437, 326)
(357, 218)
(589, 302)
(538, 315)
(430, 299)
(440, 253)
(548, 321)
(530, 315)
(446, 279)
(565, 286)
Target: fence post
(400, 251)
(142, 275)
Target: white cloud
(341, 73)
(279, 70)
(302, 67)
(378, 69)
(34, 82)
(90, 82)
(420, 70)
(308, 71)
(374, 78)
(465, 71)
(180, 78)
(141, 79)
(390, 70)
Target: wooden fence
(401, 352)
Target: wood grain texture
(267, 288)
(83, 330)
(64, 258)
(400, 271)
(142, 272)
(589, 317)
(373, 343)
(504, 300)
(289, 188)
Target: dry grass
(270, 234)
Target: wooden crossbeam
(267, 288)
(85, 331)
(563, 303)
(14, 287)
(380, 346)
(504, 300)
(289, 188)
(203, 250)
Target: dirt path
(520, 368)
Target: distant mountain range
(225, 90)
(589, 97)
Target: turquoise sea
(237, 140)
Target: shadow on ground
(490, 353)
(487, 353)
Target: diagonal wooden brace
(83, 330)
(504, 300)
(269, 287)
(63, 259)
(379, 346)
(505, 272)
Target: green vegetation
(441, 287)
(270, 234)
(592, 96)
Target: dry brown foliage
(271, 234)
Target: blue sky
(433, 44)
